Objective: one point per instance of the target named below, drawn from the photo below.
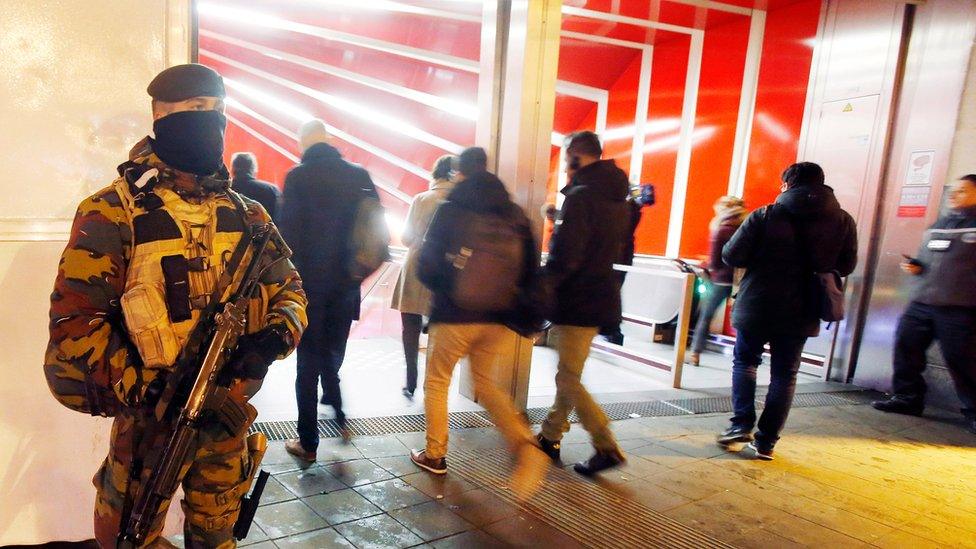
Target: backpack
(824, 290)
(486, 262)
(369, 244)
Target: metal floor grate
(328, 428)
(584, 510)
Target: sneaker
(549, 447)
(694, 358)
(734, 434)
(763, 453)
(529, 472)
(600, 461)
(407, 393)
(294, 447)
(899, 405)
(438, 466)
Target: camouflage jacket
(90, 364)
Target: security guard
(143, 258)
(943, 308)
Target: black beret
(182, 82)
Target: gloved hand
(255, 352)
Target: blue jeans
(785, 350)
(716, 295)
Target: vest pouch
(257, 310)
(147, 320)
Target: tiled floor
(374, 371)
(844, 476)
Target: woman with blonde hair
(730, 212)
(410, 296)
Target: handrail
(675, 366)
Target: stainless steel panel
(937, 57)
(845, 139)
(846, 132)
(858, 63)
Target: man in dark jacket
(942, 307)
(243, 169)
(457, 332)
(318, 212)
(781, 246)
(590, 234)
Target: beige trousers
(482, 343)
(573, 345)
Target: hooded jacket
(948, 258)
(780, 246)
(481, 193)
(590, 235)
(318, 211)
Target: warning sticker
(914, 201)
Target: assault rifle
(196, 393)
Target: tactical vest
(179, 250)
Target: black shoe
(765, 453)
(600, 461)
(971, 425)
(616, 339)
(900, 405)
(734, 434)
(550, 447)
(407, 393)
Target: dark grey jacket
(773, 296)
(317, 215)
(948, 258)
(261, 192)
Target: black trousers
(412, 326)
(320, 354)
(955, 329)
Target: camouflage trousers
(214, 481)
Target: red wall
(446, 36)
(783, 76)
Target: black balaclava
(191, 141)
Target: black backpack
(369, 243)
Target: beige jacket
(410, 295)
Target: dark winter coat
(481, 193)
(592, 230)
(948, 277)
(317, 214)
(773, 296)
(262, 192)
(719, 272)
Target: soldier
(143, 257)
